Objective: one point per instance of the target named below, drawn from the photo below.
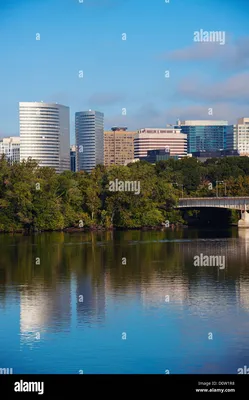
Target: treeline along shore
(137, 196)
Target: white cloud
(160, 118)
(233, 55)
(234, 88)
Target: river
(124, 302)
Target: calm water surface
(124, 302)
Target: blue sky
(129, 73)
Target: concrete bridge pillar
(244, 221)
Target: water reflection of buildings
(234, 248)
(242, 286)
(93, 294)
(45, 309)
(243, 235)
(214, 290)
(34, 311)
(9, 293)
(242, 289)
(163, 289)
(206, 290)
(49, 307)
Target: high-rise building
(238, 139)
(170, 139)
(205, 135)
(89, 133)
(73, 158)
(118, 145)
(45, 134)
(10, 147)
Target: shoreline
(93, 229)
(172, 227)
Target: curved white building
(45, 134)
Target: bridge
(233, 203)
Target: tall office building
(205, 135)
(238, 138)
(10, 147)
(170, 139)
(118, 145)
(45, 134)
(89, 133)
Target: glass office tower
(205, 135)
(89, 133)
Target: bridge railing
(222, 202)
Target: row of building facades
(45, 137)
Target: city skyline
(45, 137)
(170, 77)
